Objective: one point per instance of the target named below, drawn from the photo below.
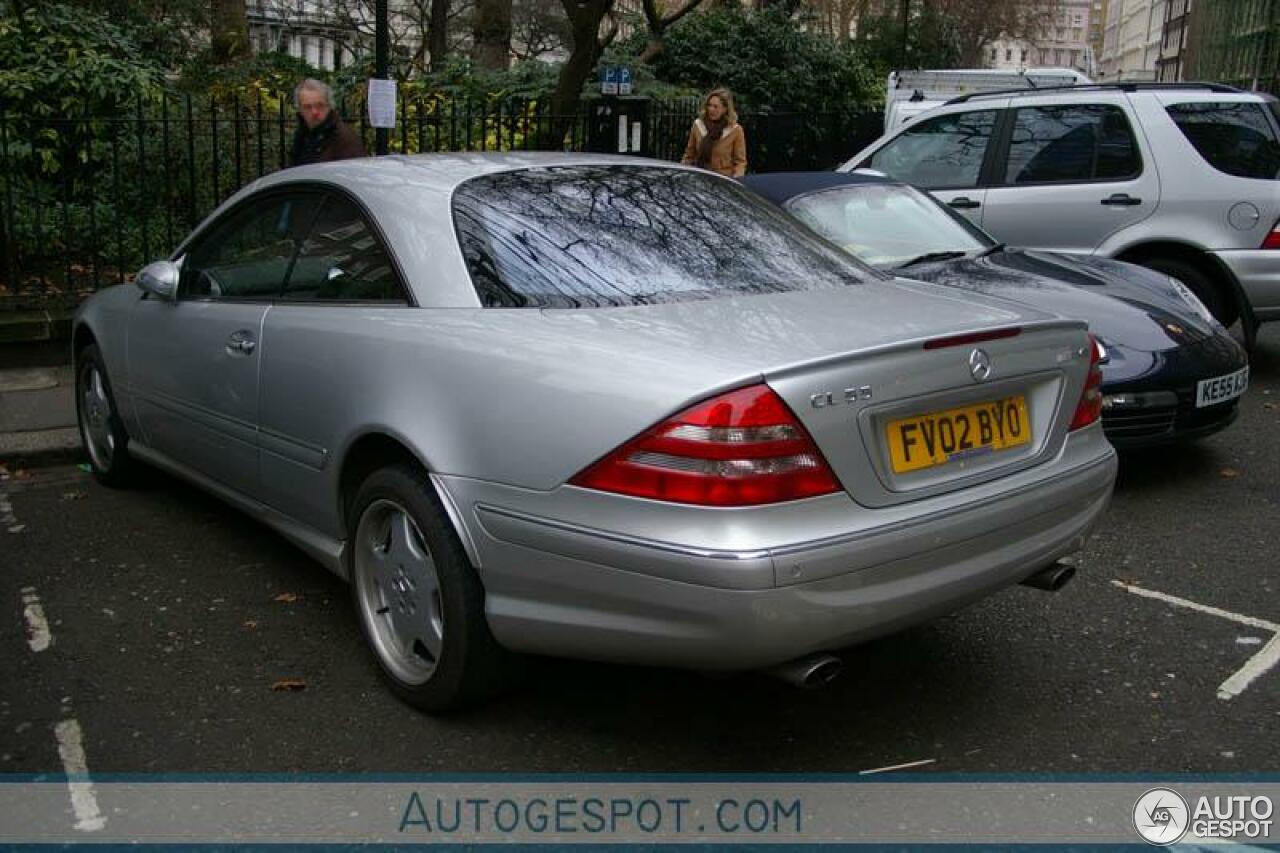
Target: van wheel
(101, 431)
(1218, 299)
(419, 601)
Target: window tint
(1233, 138)
(1067, 144)
(939, 153)
(884, 225)
(342, 260)
(625, 235)
(248, 256)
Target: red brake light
(742, 448)
(1273, 239)
(972, 338)
(1089, 409)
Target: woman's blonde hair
(726, 98)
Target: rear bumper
(567, 590)
(1258, 271)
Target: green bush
(767, 58)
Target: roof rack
(1120, 87)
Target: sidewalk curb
(41, 448)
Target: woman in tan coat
(716, 141)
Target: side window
(1232, 138)
(939, 153)
(342, 260)
(248, 255)
(1071, 144)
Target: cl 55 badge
(851, 395)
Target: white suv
(1182, 178)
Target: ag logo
(1161, 816)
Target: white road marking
(84, 802)
(39, 637)
(1255, 667)
(909, 764)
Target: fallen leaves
(287, 597)
(290, 685)
(1228, 473)
(74, 496)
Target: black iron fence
(88, 200)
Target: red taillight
(1089, 409)
(741, 448)
(1273, 239)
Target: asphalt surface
(175, 624)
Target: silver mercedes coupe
(596, 407)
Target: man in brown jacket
(321, 136)
(716, 140)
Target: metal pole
(906, 12)
(381, 47)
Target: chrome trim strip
(233, 428)
(278, 444)
(325, 550)
(622, 538)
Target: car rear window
(1235, 138)
(597, 236)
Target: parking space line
(39, 637)
(84, 802)
(1255, 667)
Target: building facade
(1063, 42)
(1131, 40)
(327, 35)
(1170, 68)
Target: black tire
(433, 647)
(102, 432)
(1218, 298)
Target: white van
(910, 93)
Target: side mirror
(159, 278)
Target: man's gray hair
(315, 86)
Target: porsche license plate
(1210, 392)
(936, 438)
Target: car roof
(439, 172)
(780, 187)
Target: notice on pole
(382, 102)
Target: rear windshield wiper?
(933, 256)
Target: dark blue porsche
(1172, 372)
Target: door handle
(1121, 200)
(963, 203)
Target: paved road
(171, 617)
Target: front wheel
(417, 597)
(101, 430)
(1218, 299)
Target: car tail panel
(922, 418)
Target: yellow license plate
(936, 438)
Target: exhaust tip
(810, 672)
(1052, 578)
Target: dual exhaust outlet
(820, 669)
